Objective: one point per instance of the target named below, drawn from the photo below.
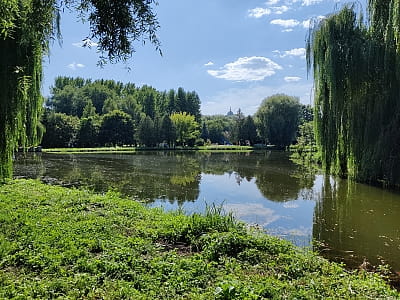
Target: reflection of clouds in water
(290, 205)
(253, 213)
(300, 231)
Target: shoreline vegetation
(126, 149)
(57, 242)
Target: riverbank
(67, 243)
(117, 149)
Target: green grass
(73, 244)
(212, 148)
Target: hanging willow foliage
(26, 27)
(357, 91)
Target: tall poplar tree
(27, 26)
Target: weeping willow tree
(355, 64)
(27, 27)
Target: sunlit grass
(73, 244)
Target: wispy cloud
(292, 78)
(290, 23)
(253, 68)
(259, 12)
(310, 2)
(280, 9)
(296, 52)
(75, 66)
(210, 63)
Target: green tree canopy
(278, 119)
(61, 130)
(186, 127)
(146, 132)
(116, 128)
(167, 130)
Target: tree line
(85, 113)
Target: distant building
(230, 112)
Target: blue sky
(233, 53)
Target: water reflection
(356, 222)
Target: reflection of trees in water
(144, 177)
(176, 176)
(354, 221)
(276, 176)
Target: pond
(350, 222)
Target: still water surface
(350, 222)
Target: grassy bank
(62, 243)
(212, 148)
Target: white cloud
(253, 68)
(310, 2)
(272, 2)
(292, 78)
(280, 9)
(85, 43)
(285, 23)
(259, 12)
(253, 213)
(75, 66)
(287, 30)
(296, 52)
(210, 63)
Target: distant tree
(88, 132)
(278, 119)
(237, 129)
(193, 105)
(146, 132)
(216, 130)
(167, 130)
(61, 130)
(116, 128)
(181, 103)
(186, 127)
(171, 107)
(62, 101)
(98, 94)
(109, 105)
(249, 130)
(89, 110)
(204, 132)
(130, 105)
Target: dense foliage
(145, 111)
(231, 129)
(278, 119)
(26, 27)
(62, 243)
(357, 87)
